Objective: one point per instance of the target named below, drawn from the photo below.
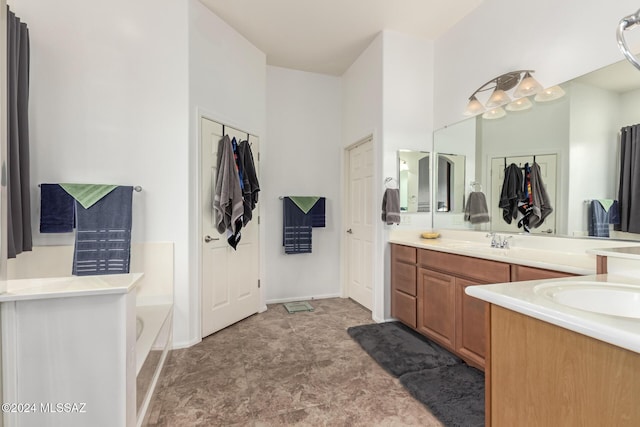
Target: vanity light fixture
(525, 85)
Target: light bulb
(527, 87)
(519, 105)
(550, 94)
(498, 98)
(474, 107)
(496, 113)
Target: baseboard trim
(303, 298)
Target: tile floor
(280, 369)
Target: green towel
(88, 194)
(606, 204)
(305, 203)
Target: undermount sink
(615, 299)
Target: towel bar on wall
(137, 188)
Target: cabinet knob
(350, 231)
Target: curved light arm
(627, 23)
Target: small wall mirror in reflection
(450, 183)
(414, 181)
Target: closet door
(229, 278)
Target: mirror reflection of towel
(391, 206)
(476, 211)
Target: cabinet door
(436, 306)
(472, 316)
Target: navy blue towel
(614, 213)
(296, 229)
(103, 237)
(317, 212)
(57, 214)
(598, 220)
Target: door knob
(350, 231)
(208, 238)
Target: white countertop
(522, 298)
(72, 286)
(629, 252)
(580, 263)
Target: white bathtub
(153, 332)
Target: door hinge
(258, 156)
(258, 283)
(258, 219)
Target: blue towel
(57, 213)
(614, 213)
(103, 237)
(317, 212)
(598, 220)
(296, 229)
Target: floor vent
(294, 307)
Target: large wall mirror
(575, 140)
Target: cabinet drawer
(521, 272)
(403, 253)
(403, 308)
(403, 278)
(474, 268)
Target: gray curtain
(19, 204)
(629, 192)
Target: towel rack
(474, 184)
(136, 188)
(389, 179)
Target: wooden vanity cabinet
(428, 294)
(446, 313)
(520, 273)
(403, 284)
(436, 306)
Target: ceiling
(326, 36)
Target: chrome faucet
(505, 242)
(495, 240)
(498, 241)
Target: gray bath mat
(454, 394)
(452, 390)
(295, 307)
(399, 349)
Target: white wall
(361, 117)
(304, 127)
(560, 40)
(407, 123)
(227, 83)
(109, 104)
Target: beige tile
(281, 369)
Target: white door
(229, 277)
(547, 165)
(359, 243)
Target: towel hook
(389, 179)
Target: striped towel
(87, 194)
(103, 237)
(297, 225)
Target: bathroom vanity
(565, 351)
(545, 363)
(71, 355)
(429, 279)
